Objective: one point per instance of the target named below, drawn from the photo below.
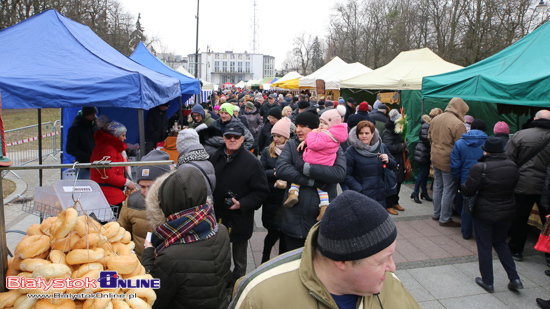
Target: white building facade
(229, 67)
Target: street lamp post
(197, 49)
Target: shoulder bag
(470, 201)
(390, 180)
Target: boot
(392, 211)
(322, 210)
(415, 197)
(292, 199)
(426, 197)
(398, 207)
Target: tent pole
(180, 115)
(3, 246)
(197, 50)
(61, 142)
(40, 145)
(141, 125)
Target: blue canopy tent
(189, 86)
(50, 61)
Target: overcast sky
(226, 25)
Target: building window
(232, 67)
(216, 66)
(232, 56)
(233, 79)
(247, 67)
(240, 57)
(247, 57)
(239, 67)
(224, 56)
(224, 66)
(240, 77)
(217, 56)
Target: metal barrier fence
(22, 143)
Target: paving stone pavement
(434, 263)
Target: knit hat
(478, 124)
(282, 128)
(88, 110)
(183, 189)
(468, 119)
(303, 104)
(351, 100)
(275, 112)
(341, 110)
(493, 145)
(249, 105)
(217, 108)
(115, 128)
(308, 118)
(186, 138)
(376, 104)
(152, 172)
(341, 101)
(501, 127)
(394, 115)
(227, 107)
(354, 227)
(332, 117)
(364, 106)
(198, 109)
(329, 104)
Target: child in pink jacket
(322, 145)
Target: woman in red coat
(110, 145)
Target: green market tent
(517, 75)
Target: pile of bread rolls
(75, 246)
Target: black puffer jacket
(299, 219)
(396, 145)
(272, 208)
(423, 148)
(213, 136)
(243, 174)
(495, 201)
(354, 119)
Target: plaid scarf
(187, 226)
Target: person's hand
(148, 244)
(131, 185)
(384, 157)
(236, 205)
(301, 146)
(275, 173)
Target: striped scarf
(187, 226)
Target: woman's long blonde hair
(272, 147)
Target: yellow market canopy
(404, 72)
(288, 76)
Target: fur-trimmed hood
(186, 188)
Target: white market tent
(240, 84)
(248, 84)
(288, 76)
(348, 71)
(183, 71)
(325, 72)
(404, 72)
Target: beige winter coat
(444, 131)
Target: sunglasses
(231, 136)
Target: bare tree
(303, 50)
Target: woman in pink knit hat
(502, 132)
(271, 209)
(322, 145)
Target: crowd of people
(287, 153)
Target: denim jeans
(444, 194)
(422, 178)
